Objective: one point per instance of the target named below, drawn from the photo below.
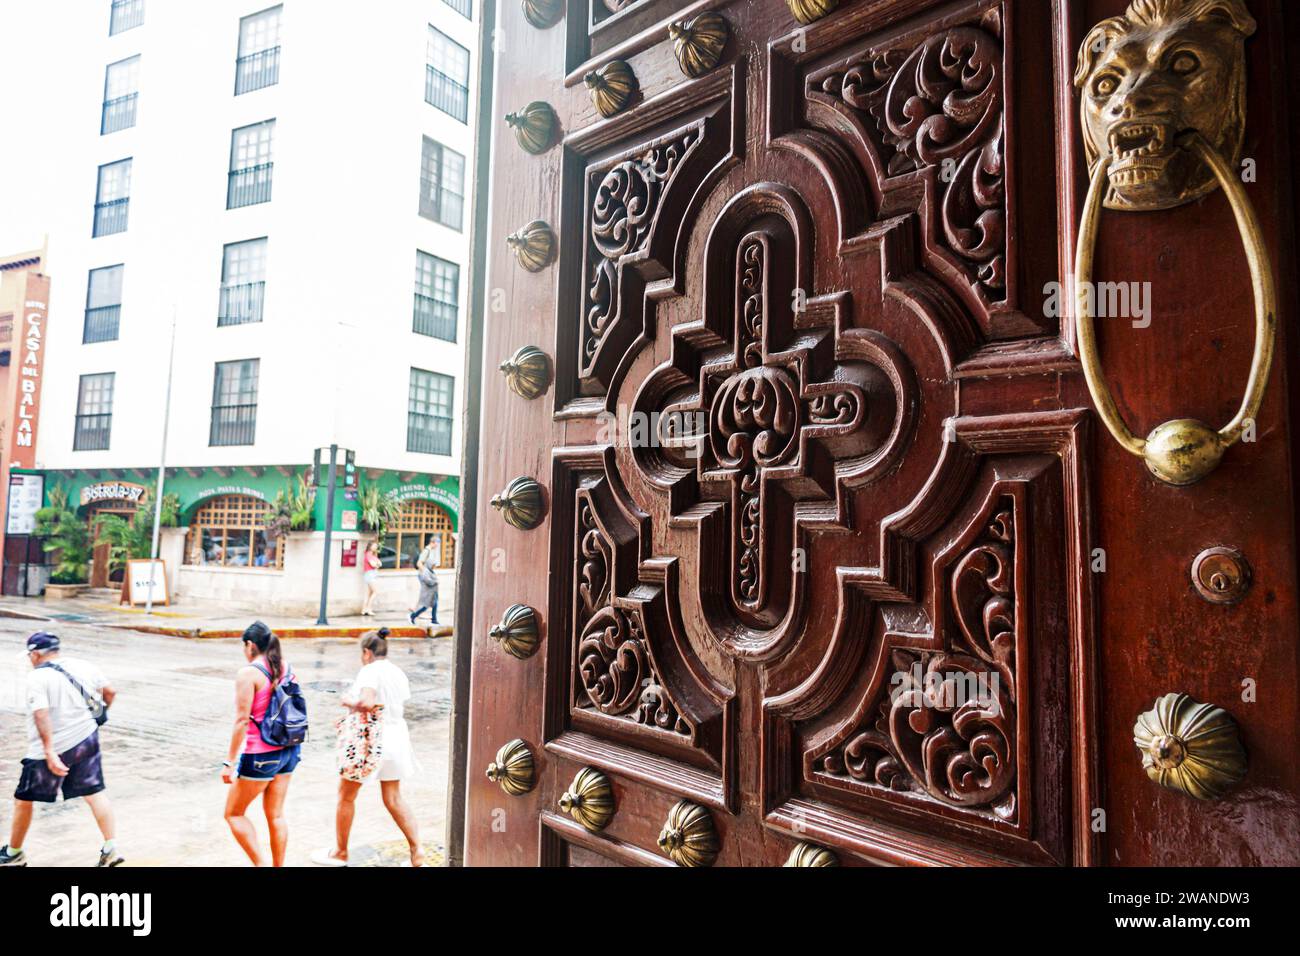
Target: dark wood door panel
(821, 492)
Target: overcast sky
(34, 151)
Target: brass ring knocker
(1184, 450)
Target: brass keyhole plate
(1221, 575)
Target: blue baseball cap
(43, 641)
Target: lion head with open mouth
(1165, 67)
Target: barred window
(94, 424)
(442, 184)
(421, 524)
(125, 15)
(103, 304)
(112, 198)
(121, 88)
(230, 531)
(446, 81)
(429, 411)
(437, 290)
(234, 403)
(243, 282)
(257, 63)
(250, 165)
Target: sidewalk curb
(286, 633)
(23, 615)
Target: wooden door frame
(462, 654)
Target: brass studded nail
(513, 769)
(698, 42)
(543, 13)
(810, 854)
(520, 503)
(806, 11)
(688, 837)
(1190, 747)
(611, 87)
(527, 372)
(533, 245)
(517, 633)
(534, 126)
(589, 799)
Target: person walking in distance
(265, 767)
(67, 701)
(428, 598)
(381, 686)
(370, 575)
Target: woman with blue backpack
(270, 726)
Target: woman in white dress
(380, 682)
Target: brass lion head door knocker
(1163, 113)
(1165, 68)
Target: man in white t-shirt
(379, 683)
(64, 696)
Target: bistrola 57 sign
(31, 346)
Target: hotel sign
(31, 346)
(112, 491)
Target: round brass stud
(527, 372)
(698, 42)
(1190, 747)
(520, 503)
(810, 854)
(517, 633)
(688, 837)
(589, 799)
(533, 245)
(513, 769)
(543, 13)
(611, 87)
(806, 11)
(534, 126)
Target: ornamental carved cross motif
(771, 414)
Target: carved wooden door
(827, 559)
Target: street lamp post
(329, 533)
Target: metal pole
(162, 470)
(329, 531)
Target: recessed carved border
(629, 188)
(961, 193)
(691, 752)
(1040, 454)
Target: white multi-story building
(289, 184)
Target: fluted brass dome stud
(611, 87)
(517, 633)
(520, 503)
(589, 799)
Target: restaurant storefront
(227, 546)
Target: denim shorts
(85, 775)
(273, 763)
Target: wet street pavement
(167, 735)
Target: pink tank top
(253, 742)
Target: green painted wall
(193, 491)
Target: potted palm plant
(378, 511)
(292, 509)
(133, 539)
(67, 540)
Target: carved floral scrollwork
(622, 212)
(594, 553)
(612, 661)
(615, 671)
(945, 724)
(941, 105)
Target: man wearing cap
(66, 701)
